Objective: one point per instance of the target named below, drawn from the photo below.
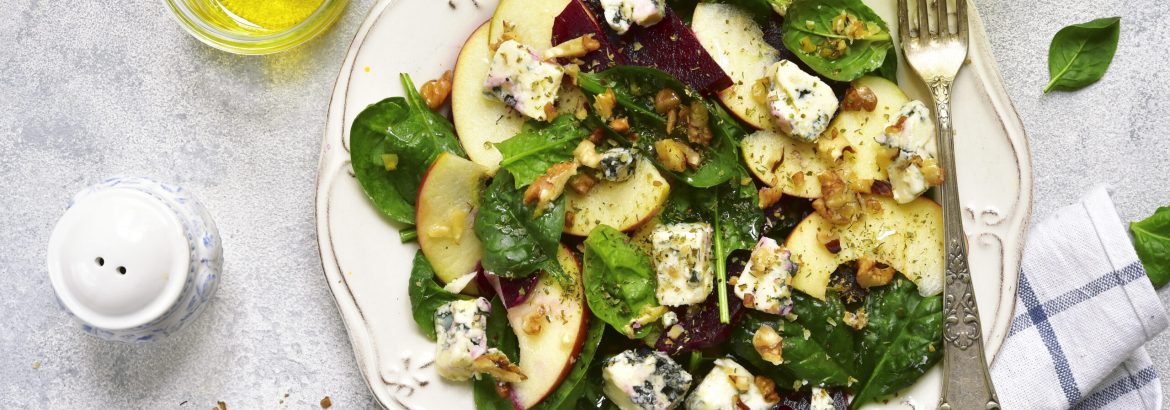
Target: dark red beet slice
(512, 292)
(575, 21)
(669, 46)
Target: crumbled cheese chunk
(669, 319)
(522, 81)
(461, 346)
(682, 261)
(821, 400)
(802, 104)
(912, 133)
(618, 164)
(642, 379)
(728, 386)
(767, 278)
(620, 14)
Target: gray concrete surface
(90, 89)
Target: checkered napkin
(1083, 312)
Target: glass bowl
(213, 25)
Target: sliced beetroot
(668, 45)
(802, 400)
(785, 214)
(575, 21)
(512, 292)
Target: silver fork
(937, 56)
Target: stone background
(92, 89)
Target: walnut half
(769, 345)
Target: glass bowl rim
(317, 22)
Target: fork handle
(966, 382)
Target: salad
(652, 204)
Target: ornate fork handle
(966, 382)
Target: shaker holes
(100, 261)
(122, 270)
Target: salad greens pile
(394, 141)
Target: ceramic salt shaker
(134, 260)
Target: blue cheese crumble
(682, 262)
(912, 133)
(765, 284)
(728, 386)
(643, 379)
(617, 164)
(520, 79)
(621, 14)
(802, 105)
(821, 400)
(462, 348)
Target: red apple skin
(577, 345)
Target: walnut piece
(859, 98)
(870, 273)
(604, 104)
(857, 320)
(582, 184)
(837, 204)
(577, 47)
(769, 196)
(548, 187)
(675, 155)
(769, 345)
(666, 100)
(435, 92)
(586, 154)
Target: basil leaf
(1151, 240)
(516, 241)
(619, 280)
(900, 342)
(1080, 54)
(572, 388)
(426, 296)
(407, 128)
(531, 152)
(499, 335)
(635, 89)
(811, 23)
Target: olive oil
(252, 18)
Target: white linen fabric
(1083, 312)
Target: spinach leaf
(635, 89)
(809, 24)
(426, 296)
(1151, 239)
(1080, 54)
(404, 127)
(817, 347)
(889, 68)
(499, 335)
(531, 152)
(573, 387)
(899, 343)
(740, 344)
(619, 280)
(516, 241)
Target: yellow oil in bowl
(256, 26)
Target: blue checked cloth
(1083, 312)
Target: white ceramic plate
(367, 268)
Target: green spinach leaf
(531, 152)
(516, 241)
(426, 296)
(1151, 239)
(404, 127)
(572, 388)
(889, 68)
(810, 24)
(900, 342)
(1080, 54)
(817, 348)
(635, 89)
(499, 335)
(619, 280)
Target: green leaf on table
(426, 296)
(1080, 54)
(499, 335)
(900, 343)
(406, 129)
(839, 52)
(619, 280)
(1151, 240)
(539, 146)
(516, 241)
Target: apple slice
(776, 160)
(550, 327)
(906, 237)
(446, 201)
(865, 161)
(480, 121)
(623, 205)
(737, 44)
(533, 20)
